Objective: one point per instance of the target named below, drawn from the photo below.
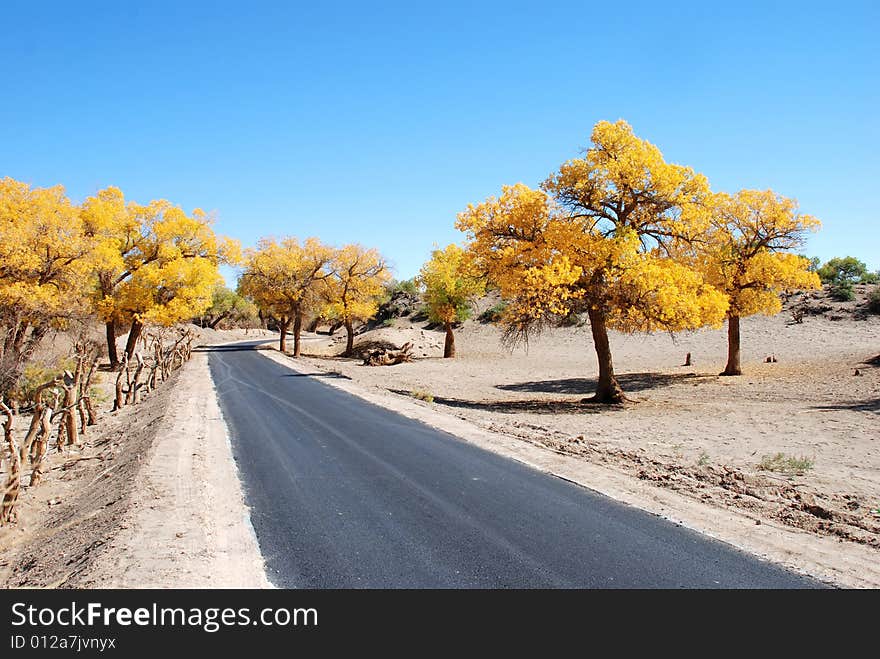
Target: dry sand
(689, 445)
(188, 526)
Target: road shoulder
(188, 525)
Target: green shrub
(874, 301)
(97, 393)
(572, 320)
(785, 464)
(409, 286)
(426, 396)
(842, 292)
(493, 314)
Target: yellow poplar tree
(154, 263)
(596, 239)
(358, 280)
(120, 243)
(44, 267)
(283, 280)
(450, 288)
(748, 256)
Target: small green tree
(226, 304)
(408, 286)
(845, 270)
(450, 288)
(840, 273)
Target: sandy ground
(187, 526)
(153, 500)
(690, 444)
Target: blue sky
(378, 123)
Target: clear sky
(378, 122)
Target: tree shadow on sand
(580, 386)
(868, 405)
(513, 406)
(630, 382)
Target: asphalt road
(345, 494)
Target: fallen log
(389, 356)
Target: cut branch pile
(388, 356)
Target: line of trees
(620, 235)
(294, 282)
(635, 243)
(127, 263)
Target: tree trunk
(349, 339)
(449, 346)
(91, 417)
(607, 389)
(131, 397)
(13, 480)
(68, 418)
(19, 336)
(37, 334)
(733, 365)
(10, 337)
(26, 446)
(119, 401)
(283, 324)
(111, 345)
(39, 446)
(21, 349)
(213, 324)
(133, 335)
(297, 332)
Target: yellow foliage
(154, 263)
(746, 253)
(358, 279)
(450, 284)
(44, 255)
(594, 238)
(282, 278)
(657, 293)
(623, 182)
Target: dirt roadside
(827, 558)
(153, 502)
